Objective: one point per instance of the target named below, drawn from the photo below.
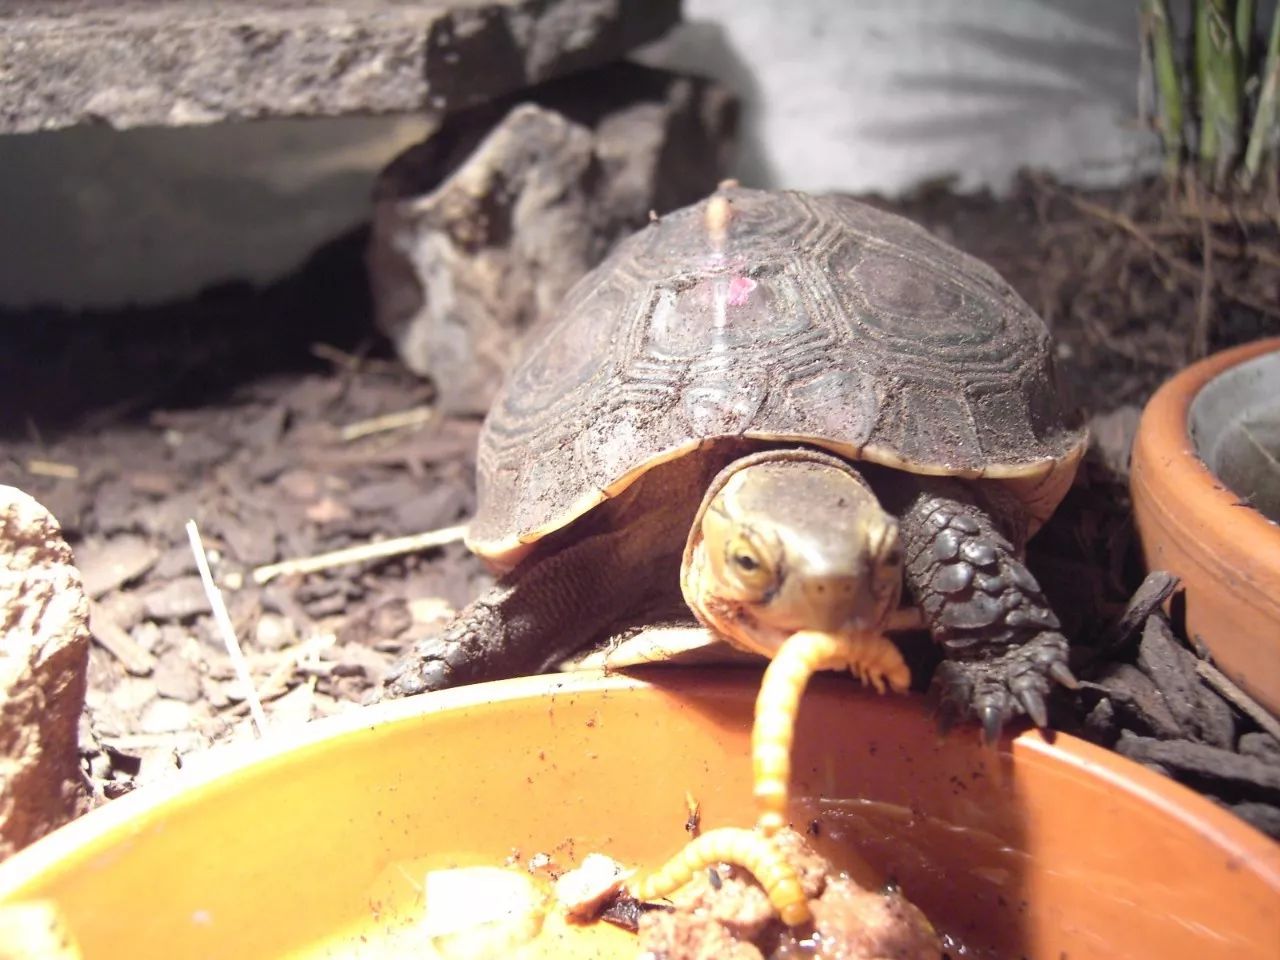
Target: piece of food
(855, 923)
(721, 910)
(687, 936)
(481, 911)
(583, 891)
(35, 930)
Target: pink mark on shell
(739, 290)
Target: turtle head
(789, 543)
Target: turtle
(778, 409)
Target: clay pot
(319, 843)
(1194, 524)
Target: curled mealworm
(745, 848)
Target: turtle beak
(862, 602)
(858, 594)
(861, 598)
(837, 602)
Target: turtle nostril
(831, 590)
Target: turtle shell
(779, 316)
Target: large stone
(44, 652)
(480, 230)
(177, 62)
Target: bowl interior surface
(316, 847)
(1234, 422)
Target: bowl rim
(114, 822)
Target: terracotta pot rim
(1192, 499)
(112, 822)
(311, 841)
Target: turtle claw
(1013, 682)
(962, 699)
(454, 656)
(1059, 671)
(419, 671)
(966, 690)
(1033, 705)
(992, 723)
(473, 647)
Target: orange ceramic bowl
(316, 846)
(1225, 551)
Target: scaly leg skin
(533, 617)
(872, 657)
(1003, 644)
(743, 848)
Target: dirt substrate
(256, 413)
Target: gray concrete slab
(130, 63)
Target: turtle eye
(748, 564)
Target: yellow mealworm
(872, 657)
(744, 848)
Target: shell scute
(814, 319)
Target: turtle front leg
(473, 646)
(529, 620)
(1003, 643)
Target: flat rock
(175, 562)
(436, 507)
(177, 678)
(1139, 700)
(1155, 589)
(163, 715)
(250, 536)
(114, 637)
(134, 63)
(1263, 746)
(108, 564)
(1200, 712)
(1187, 759)
(44, 651)
(481, 230)
(274, 632)
(176, 600)
(1262, 816)
(383, 495)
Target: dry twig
(48, 468)
(1204, 302)
(1180, 267)
(380, 550)
(225, 628)
(339, 358)
(413, 417)
(1220, 213)
(352, 363)
(1224, 248)
(1246, 704)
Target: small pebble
(177, 678)
(275, 632)
(163, 715)
(176, 600)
